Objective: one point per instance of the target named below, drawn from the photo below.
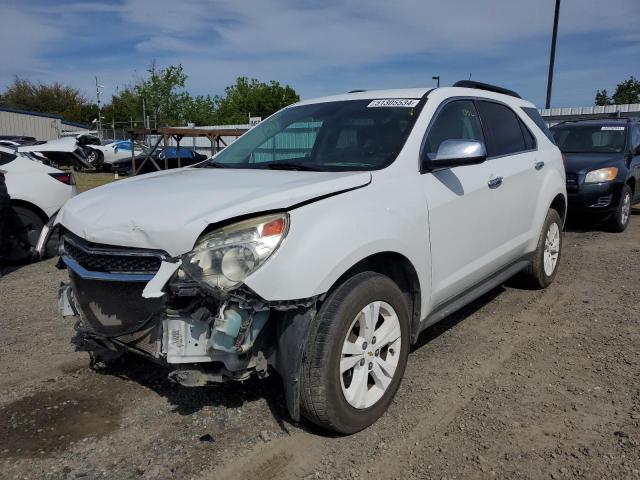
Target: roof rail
(356, 91)
(485, 86)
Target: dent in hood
(169, 210)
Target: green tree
(627, 91)
(200, 110)
(252, 97)
(55, 99)
(125, 106)
(163, 95)
(602, 98)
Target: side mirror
(456, 153)
(637, 150)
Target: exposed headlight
(224, 258)
(601, 175)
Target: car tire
(620, 219)
(329, 396)
(24, 229)
(543, 268)
(95, 158)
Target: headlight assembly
(224, 258)
(601, 175)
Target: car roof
(417, 93)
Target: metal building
(556, 115)
(42, 126)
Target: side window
(457, 120)
(529, 139)
(6, 158)
(539, 121)
(635, 137)
(502, 127)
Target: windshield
(330, 136)
(590, 138)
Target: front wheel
(620, 219)
(357, 351)
(544, 264)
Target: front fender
(328, 237)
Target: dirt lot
(522, 384)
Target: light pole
(436, 77)
(98, 87)
(552, 57)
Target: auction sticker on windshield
(394, 102)
(612, 128)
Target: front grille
(111, 259)
(572, 182)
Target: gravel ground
(521, 384)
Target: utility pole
(436, 77)
(98, 87)
(552, 57)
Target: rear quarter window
(534, 115)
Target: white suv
(321, 243)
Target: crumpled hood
(169, 210)
(585, 162)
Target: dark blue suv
(602, 159)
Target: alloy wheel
(625, 211)
(370, 354)
(551, 249)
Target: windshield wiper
(292, 166)
(215, 165)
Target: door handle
(495, 182)
(539, 165)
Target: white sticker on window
(394, 102)
(612, 128)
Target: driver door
(465, 227)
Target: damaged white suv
(320, 244)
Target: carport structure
(215, 136)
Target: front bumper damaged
(202, 336)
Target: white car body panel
(193, 199)
(29, 181)
(65, 144)
(110, 154)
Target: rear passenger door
(514, 162)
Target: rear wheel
(95, 158)
(544, 265)
(620, 219)
(24, 229)
(356, 354)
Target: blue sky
(325, 47)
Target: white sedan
(101, 156)
(37, 192)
